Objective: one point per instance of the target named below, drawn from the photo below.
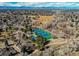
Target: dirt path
(57, 42)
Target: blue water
(41, 32)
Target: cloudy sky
(41, 4)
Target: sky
(41, 4)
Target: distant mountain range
(22, 7)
